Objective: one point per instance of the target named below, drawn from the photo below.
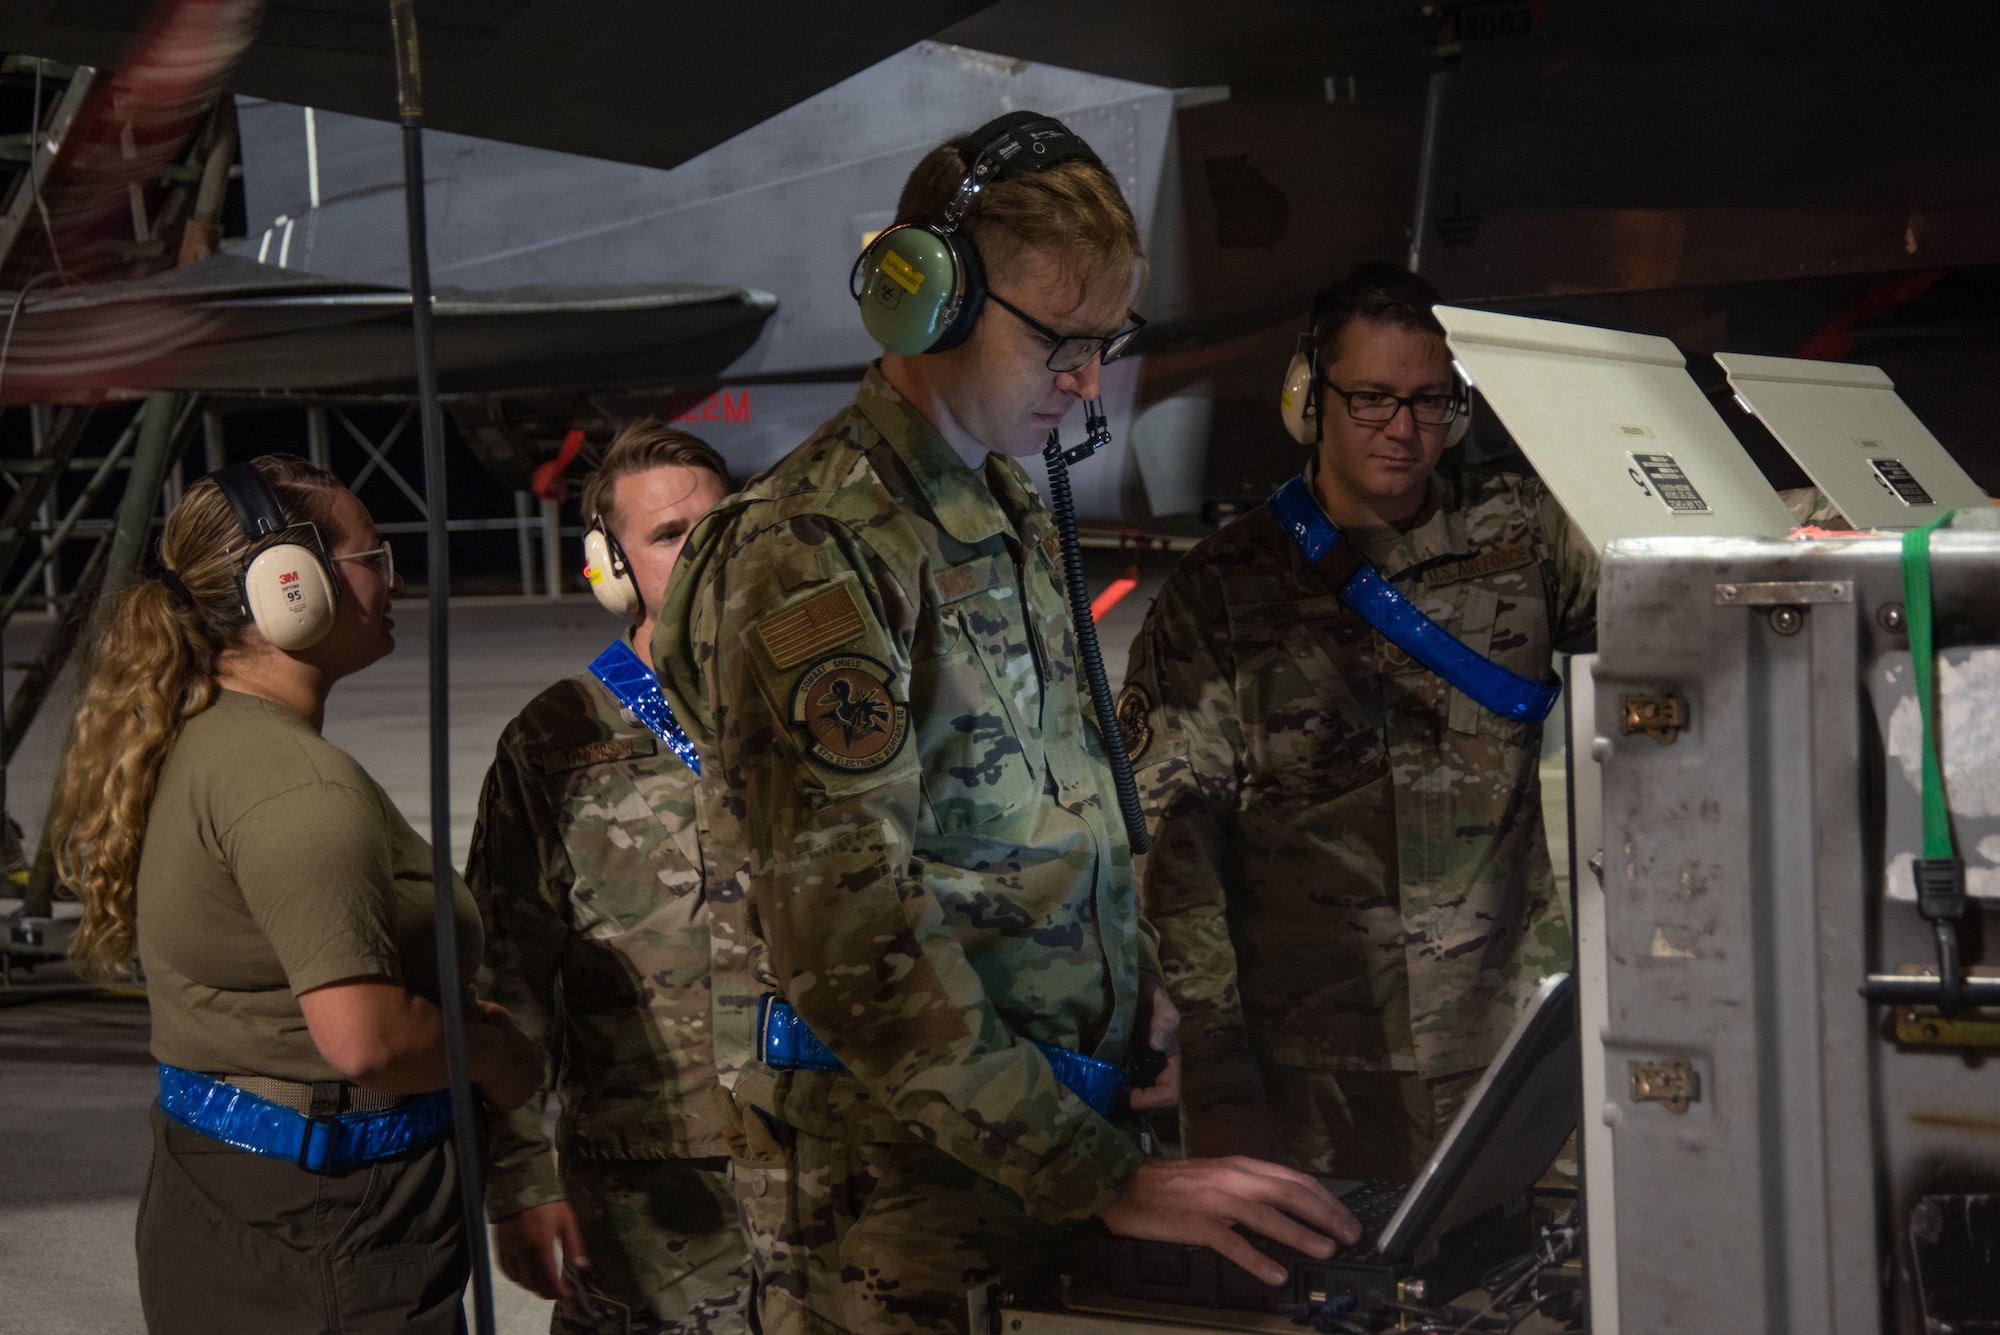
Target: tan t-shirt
(273, 865)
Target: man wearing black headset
(930, 965)
(1335, 707)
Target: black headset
(921, 284)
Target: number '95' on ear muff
(287, 588)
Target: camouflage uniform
(1813, 508)
(587, 869)
(1349, 873)
(870, 645)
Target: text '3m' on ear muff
(286, 585)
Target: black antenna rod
(464, 1110)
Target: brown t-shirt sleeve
(314, 867)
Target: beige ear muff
(609, 577)
(289, 595)
(1461, 423)
(1295, 400)
(1295, 405)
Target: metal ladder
(40, 517)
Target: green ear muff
(911, 286)
(920, 284)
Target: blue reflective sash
(1403, 623)
(626, 676)
(786, 1044)
(237, 1117)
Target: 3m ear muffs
(1300, 399)
(609, 572)
(287, 587)
(921, 284)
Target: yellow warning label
(904, 272)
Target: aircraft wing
(230, 325)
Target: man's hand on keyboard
(1198, 1201)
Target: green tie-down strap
(1917, 609)
(1938, 874)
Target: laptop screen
(1511, 1128)
(1855, 437)
(1616, 427)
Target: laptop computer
(1467, 1211)
(1855, 437)
(1616, 427)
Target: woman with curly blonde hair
(303, 1176)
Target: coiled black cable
(1063, 508)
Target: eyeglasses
(1378, 409)
(1073, 352)
(383, 559)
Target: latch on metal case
(1660, 716)
(1673, 1082)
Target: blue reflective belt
(626, 676)
(1403, 623)
(237, 1117)
(787, 1045)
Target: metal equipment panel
(1774, 1134)
(1854, 436)
(1613, 423)
(1586, 861)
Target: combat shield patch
(1135, 720)
(843, 706)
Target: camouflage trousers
(866, 1236)
(1376, 1124)
(1363, 1124)
(667, 1256)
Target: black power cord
(1063, 507)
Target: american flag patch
(813, 627)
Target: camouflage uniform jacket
(587, 868)
(1349, 869)
(870, 647)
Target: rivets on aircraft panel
(1889, 616)
(1787, 620)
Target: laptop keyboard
(1374, 1204)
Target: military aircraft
(632, 210)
